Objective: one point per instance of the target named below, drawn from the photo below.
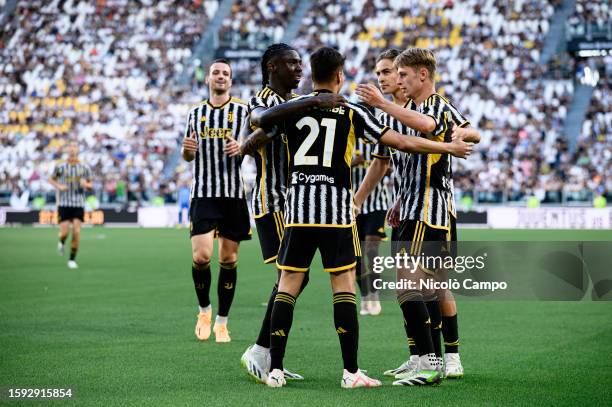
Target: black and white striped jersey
(71, 175)
(215, 174)
(321, 143)
(378, 200)
(460, 121)
(427, 194)
(398, 158)
(270, 187)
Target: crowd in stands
(591, 166)
(105, 72)
(102, 72)
(253, 24)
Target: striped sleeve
(57, 171)
(366, 125)
(87, 172)
(381, 150)
(434, 108)
(457, 117)
(256, 102)
(189, 125)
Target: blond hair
(417, 58)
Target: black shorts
(453, 236)
(229, 217)
(68, 213)
(338, 248)
(395, 238)
(419, 239)
(270, 229)
(371, 224)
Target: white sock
(205, 309)
(260, 349)
(220, 320)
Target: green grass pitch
(119, 331)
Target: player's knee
(305, 281)
(409, 295)
(228, 258)
(445, 296)
(200, 257)
(228, 265)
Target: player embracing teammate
(424, 214)
(319, 206)
(303, 199)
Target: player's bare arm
(256, 140)
(261, 117)
(393, 214)
(374, 175)
(86, 184)
(371, 95)
(467, 134)
(190, 147)
(57, 185)
(457, 148)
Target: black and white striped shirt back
(321, 144)
(398, 158)
(378, 200)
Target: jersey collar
(208, 102)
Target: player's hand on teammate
(393, 215)
(358, 159)
(232, 147)
(460, 148)
(329, 100)
(62, 187)
(190, 144)
(459, 133)
(370, 94)
(84, 184)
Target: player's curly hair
(270, 52)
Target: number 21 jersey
(321, 143)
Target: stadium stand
(129, 110)
(101, 72)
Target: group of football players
(308, 151)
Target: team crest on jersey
(230, 117)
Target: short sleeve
(434, 108)
(366, 125)
(458, 119)
(189, 125)
(381, 151)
